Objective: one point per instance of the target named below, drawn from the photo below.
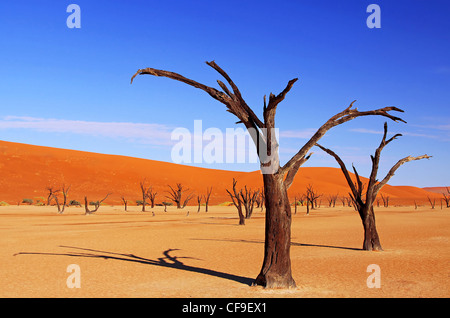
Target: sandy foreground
(172, 254)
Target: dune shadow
(168, 261)
(292, 243)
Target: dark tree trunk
(241, 216)
(371, 238)
(276, 268)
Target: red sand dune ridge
(27, 170)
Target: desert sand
(172, 254)
(181, 254)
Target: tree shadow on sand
(168, 261)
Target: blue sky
(70, 88)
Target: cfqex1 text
(232, 307)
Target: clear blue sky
(70, 88)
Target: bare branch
(343, 168)
(394, 168)
(292, 172)
(342, 117)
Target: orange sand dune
(27, 170)
(439, 190)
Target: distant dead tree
(343, 200)
(260, 199)
(447, 197)
(65, 191)
(199, 201)
(125, 203)
(364, 202)
(295, 205)
(311, 198)
(96, 205)
(151, 195)
(350, 201)
(237, 201)
(144, 191)
(176, 194)
(207, 196)
(248, 197)
(432, 202)
(276, 269)
(189, 197)
(51, 193)
(385, 199)
(332, 200)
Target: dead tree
(144, 191)
(189, 197)
(199, 201)
(51, 194)
(432, 203)
(447, 197)
(236, 199)
(262, 198)
(207, 196)
(385, 199)
(176, 195)
(248, 200)
(332, 200)
(151, 196)
(276, 268)
(311, 198)
(65, 191)
(295, 205)
(364, 202)
(96, 205)
(125, 203)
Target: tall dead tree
(237, 201)
(364, 202)
(207, 196)
(276, 268)
(96, 205)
